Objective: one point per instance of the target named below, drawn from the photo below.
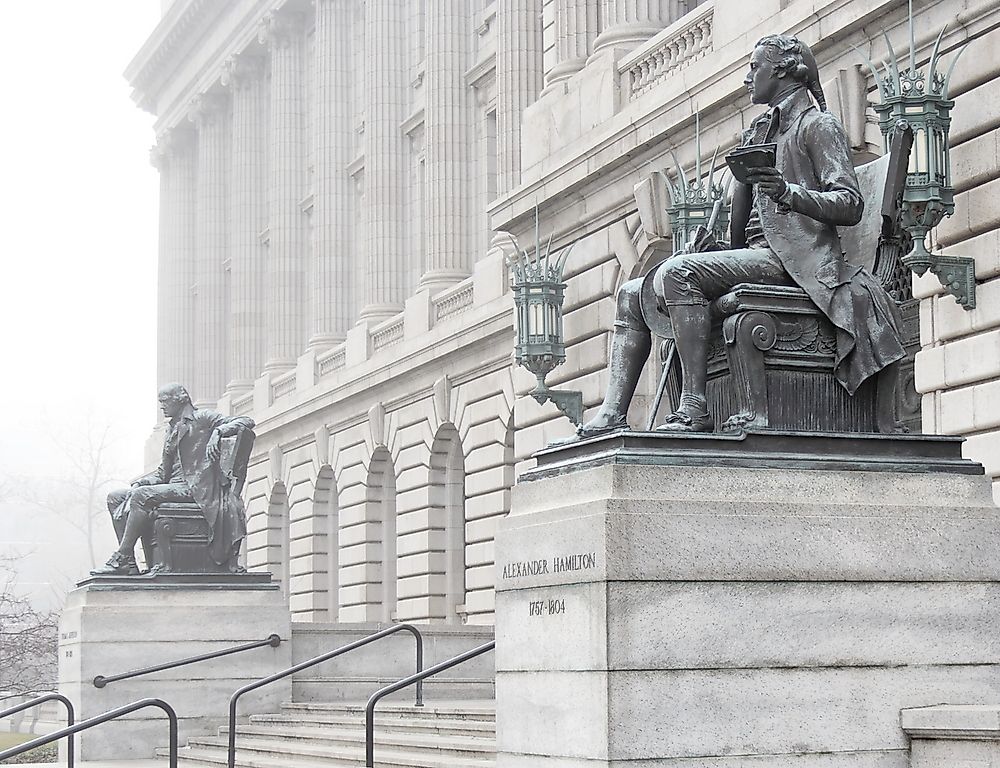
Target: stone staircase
(441, 734)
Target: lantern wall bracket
(570, 402)
(958, 275)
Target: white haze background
(79, 231)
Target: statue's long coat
(184, 460)
(814, 157)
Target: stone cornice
(175, 29)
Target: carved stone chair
(180, 531)
(773, 349)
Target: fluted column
(210, 115)
(246, 74)
(286, 307)
(384, 279)
(449, 171)
(332, 280)
(575, 30)
(174, 156)
(627, 23)
(519, 80)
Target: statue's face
(171, 406)
(762, 81)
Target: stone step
(313, 741)
(465, 709)
(355, 721)
(339, 688)
(278, 755)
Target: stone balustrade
(677, 47)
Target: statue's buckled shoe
(117, 565)
(585, 430)
(679, 421)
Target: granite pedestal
(770, 600)
(112, 625)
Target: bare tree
(77, 494)
(28, 637)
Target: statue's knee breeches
(115, 499)
(147, 498)
(628, 309)
(678, 281)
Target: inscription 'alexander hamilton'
(558, 564)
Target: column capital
(206, 108)
(279, 29)
(169, 142)
(243, 69)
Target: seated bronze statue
(783, 233)
(198, 481)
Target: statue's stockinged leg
(630, 345)
(692, 325)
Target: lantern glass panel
(920, 147)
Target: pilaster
(519, 80)
(209, 112)
(332, 281)
(286, 299)
(246, 74)
(449, 168)
(384, 279)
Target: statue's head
(778, 64)
(173, 399)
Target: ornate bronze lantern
(913, 101)
(536, 280)
(698, 202)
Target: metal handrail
(272, 640)
(407, 681)
(317, 660)
(70, 717)
(41, 741)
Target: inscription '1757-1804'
(557, 564)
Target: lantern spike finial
(682, 179)
(892, 69)
(913, 45)
(711, 170)
(951, 68)
(697, 147)
(932, 66)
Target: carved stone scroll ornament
(748, 335)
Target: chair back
(236, 456)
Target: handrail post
(234, 699)
(70, 717)
(112, 714)
(406, 681)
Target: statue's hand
(212, 450)
(769, 181)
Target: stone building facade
(332, 176)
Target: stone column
(286, 261)
(384, 279)
(246, 74)
(519, 80)
(627, 23)
(210, 114)
(575, 30)
(449, 170)
(174, 156)
(332, 281)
